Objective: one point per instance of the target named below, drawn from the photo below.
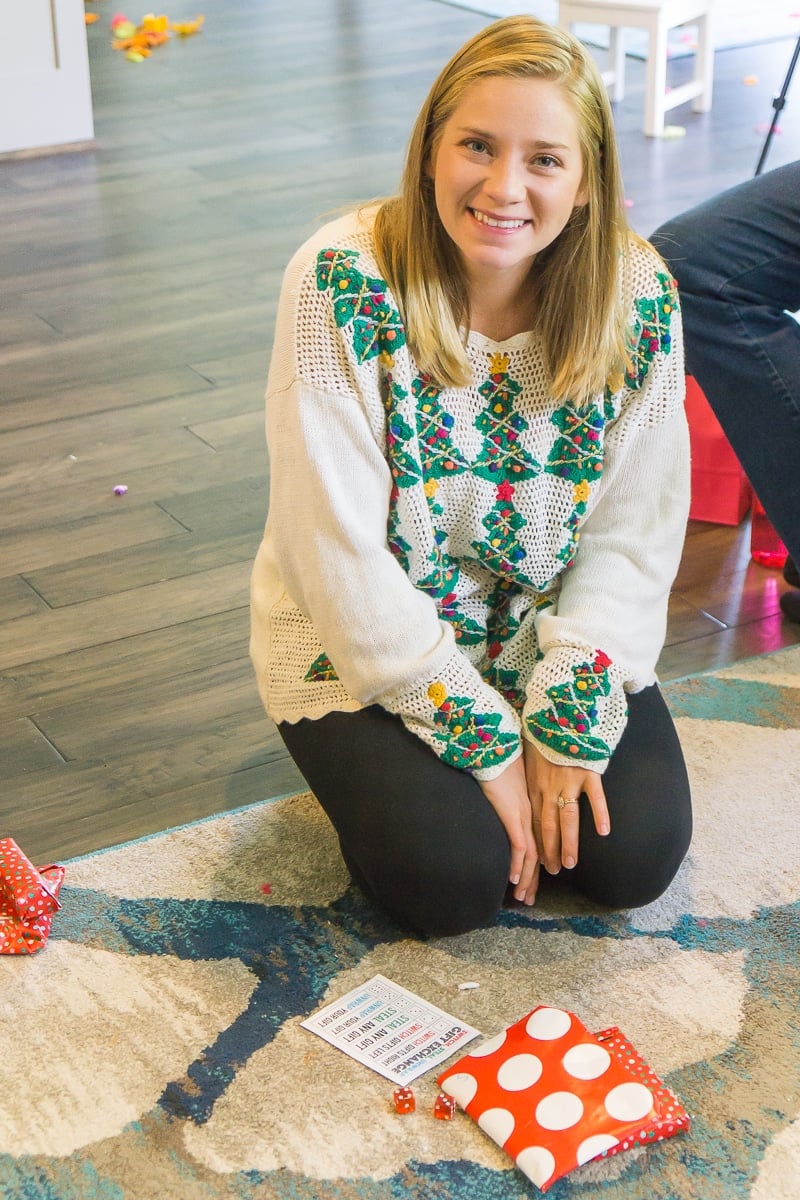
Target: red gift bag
(28, 900)
(556, 1096)
(721, 492)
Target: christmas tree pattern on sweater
(567, 724)
(503, 461)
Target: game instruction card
(390, 1030)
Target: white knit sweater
(482, 561)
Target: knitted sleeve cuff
(576, 709)
(464, 721)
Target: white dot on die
(592, 1146)
(629, 1102)
(489, 1047)
(559, 1110)
(587, 1061)
(547, 1024)
(537, 1163)
(519, 1072)
(461, 1086)
(498, 1123)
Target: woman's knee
(649, 798)
(620, 890)
(627, 875)
(442, 891)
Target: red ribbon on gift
(28, 900)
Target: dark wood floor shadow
(139, 282)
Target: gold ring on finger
(563, 801)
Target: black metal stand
(778, 104)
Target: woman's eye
(476, 146)
(546, 160)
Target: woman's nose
(505, 182)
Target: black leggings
(420, 838)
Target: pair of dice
(404, 1102)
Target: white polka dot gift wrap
(556, 1096)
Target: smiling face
(507, 172)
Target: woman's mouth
(497, 222)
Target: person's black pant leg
(649, 802)
(422, 840)
(418, 835)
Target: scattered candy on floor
(672, 132)
(750, 80)
(120, 489)
(137, 42)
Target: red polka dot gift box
(556, 1096)
(28, 900)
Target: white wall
(45, 92)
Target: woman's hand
(556, 829)
(508, 796)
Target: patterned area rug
(153, 1049)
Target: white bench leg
(616, 53)
(704, 65)
(656, 83)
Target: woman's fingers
(527, 878)
(597, 800)
(568, 808)
(508, 795)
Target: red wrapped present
(721, 492)
(556, 1096)
(28, 900)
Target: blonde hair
(580, 310)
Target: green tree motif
(502, 552)
(506, 683)
(500, 624)
(403, 463)
(577, 454)
(566, 726)
(320, 671)
(398, 545)
(360, 300)
(469, 740)
(442, 583)
(440, 458)
(651, 332)
(502, 458)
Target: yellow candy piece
(155, 24)
(135, 56)
(186, 28)
(673, 132)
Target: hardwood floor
(139, 283)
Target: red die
(404, 1101)
(444, 1107)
